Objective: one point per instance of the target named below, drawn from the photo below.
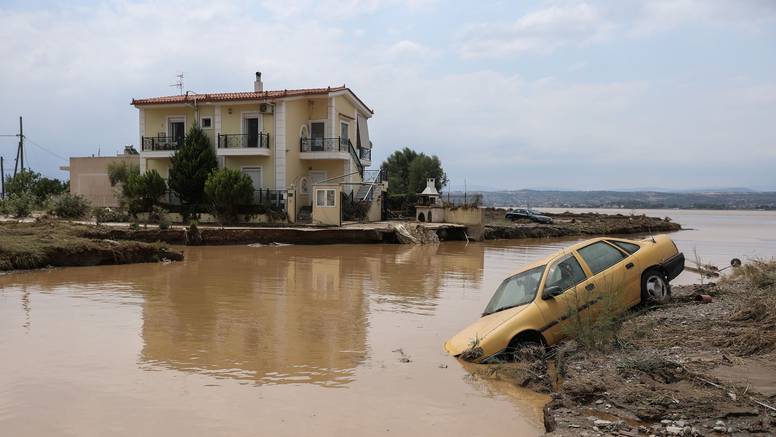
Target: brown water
(288, 340)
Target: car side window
(628, 247)
(565, 273)
(600, 256)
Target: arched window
(421, 217)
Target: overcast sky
(567, 94)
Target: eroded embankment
(58, 244)
(574, 224)
(684, 368)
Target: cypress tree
(190, 167)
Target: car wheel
(655, 287)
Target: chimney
(258, 86)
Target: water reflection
(269, 315)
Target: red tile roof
(243, 96)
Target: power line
(46, 149)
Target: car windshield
(515, 291)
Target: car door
(566, 273)
(605, 263)
(633, 269)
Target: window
(515, 291)
(628, 247)
(255, 174)
(600, 256)
(206, 123)
(317, 129)
(344, 132)
(565, 273)
(325, 198)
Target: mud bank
(60, 244)
(574, 224)
(684, 368)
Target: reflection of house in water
(267, 315)
(271, 314)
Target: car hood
(479, 330)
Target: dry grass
(50, 242)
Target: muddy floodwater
(289, 340)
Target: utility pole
(20, 150)
(2, 179)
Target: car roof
(566, 250)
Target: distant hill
(716, 199)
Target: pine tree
(190, 166)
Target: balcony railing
(365, 154)
(238, 141)
(161, 143)
(324, 144)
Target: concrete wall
(331, 216)
(464, 216)
(89, 178)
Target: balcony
(324, 144)
(365, 155)
(243, 144)
(329, 148)
(160, 146)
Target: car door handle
(629, 266)
(589, 287)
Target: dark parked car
(517, 214)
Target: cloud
(541, 31)
(407, 48)
(576, 24)
(75, 70)
(337, 9)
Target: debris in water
(404, 357)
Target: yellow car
(534, 304)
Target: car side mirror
(551, 291)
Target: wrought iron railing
(237, 141)
(365, 154)
(337, 144)
(161, 143)
(273, 199)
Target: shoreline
(47, 242)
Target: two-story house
(277, 138)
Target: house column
(141, 124)
(217, 128)
(280, 145)
(332, 118)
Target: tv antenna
(179, 83)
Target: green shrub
(3, 206)
(27, 181)
(107, 215)
(21, 205)
(159, 215)
(142, 191)
(226, 190)
(70, 206)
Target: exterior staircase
(305, 215)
